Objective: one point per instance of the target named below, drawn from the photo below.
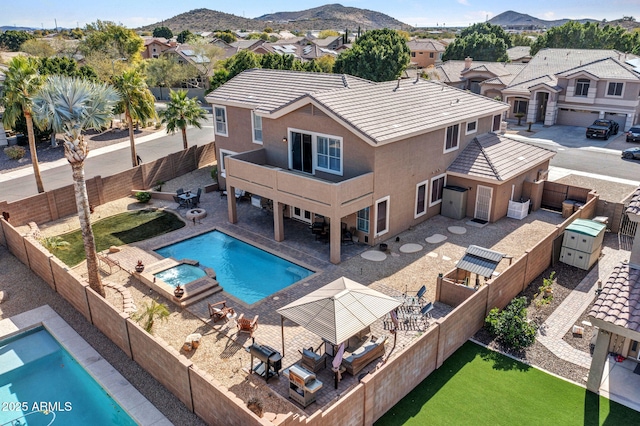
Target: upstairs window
(329, 154)
(615, 89)
(582, 87)
(472, 127)
(221, 121)
(257, 127)
(452, 135)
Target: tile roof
(498, 158)
(608, 68)
(619, 301)
(425, 44)
(519, 52)
(393, 110)
(265, 90)
(634, 203)
(453, 71)
(544, 66)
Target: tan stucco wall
(422, 59)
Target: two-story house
(425, 52)
(374, 156)
(155, 46)
(574, 87)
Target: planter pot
(178, 292)
(383, 247)
(139, 268)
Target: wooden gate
(553, 194)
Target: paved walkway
(566, 315)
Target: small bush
(143, 197)
(158, 185)
(214, 173)
(15, 152)
(511, 326)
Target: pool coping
(130, 399)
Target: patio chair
(313, 361)
(420, 293)
(180, 191)
(219, 311)
(246, 325)
(181, 202)
(195, 201)
(346, 236)
(424, 314)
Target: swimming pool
(42, 384)
(180, 274)
(244, 271)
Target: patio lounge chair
(219, 311)
(312, 361)
(361, 357)
(246, 325)
(181, 202)
(424, 315)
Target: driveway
(568, 137)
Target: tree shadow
(503, 362)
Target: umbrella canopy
(339, 310)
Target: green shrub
(143, 197)
(214, 173)
(15, 152)
(511, 326)
(158, 185)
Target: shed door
(483, 203)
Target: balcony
(249, 171)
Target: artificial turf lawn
(123, 228)
(476, 386)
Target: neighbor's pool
(180, 274)
(244, 271)
(42, 384)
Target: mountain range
(515, 19)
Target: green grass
(120, 229)
(476, 386)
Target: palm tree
(182, 111)
(70, 106)
(22, 81)
(150, 313)
(137, 102)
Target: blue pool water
(244, 271)
(180, 274)
(41, 384)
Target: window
(413, 54)
(224, 153)
(431, 54)
(256, 121)
(615, 89)
(421, 199)
(382, 216)
(582, 87)
(363, 220)
(497, 120)
(221, 120)
(520, 106)
(472, 127)
(329, 158)
(452, 135)
(437, 184)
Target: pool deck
(136, 405)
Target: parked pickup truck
(602, 129)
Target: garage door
(621, 119)
(572, 117)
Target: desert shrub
(143, 197)
(15, 152)
(511, 326)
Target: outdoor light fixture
(284, 139)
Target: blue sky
(135, 13)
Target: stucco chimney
(467, 62)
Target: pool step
(198, 290)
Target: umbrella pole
(282, 333)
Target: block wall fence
(365, 403)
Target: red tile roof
(619, 300)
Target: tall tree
(377, 55)
(71, 106)
(487, 28)
(181, 112)
(137, 102)
(481, 47)
(574, 35)
(184, 36)
(12, 39)
(164, 32)
(114, 41)
(22, 81)
(166, 72)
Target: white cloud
(549, 16)
(464, 2)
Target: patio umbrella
(335, 364)
(338, 310)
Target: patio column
(278, 221)
(335, 239)
(598, 360)
(231, 204)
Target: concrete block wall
(206, 154)
(65, 203)
(539, 257)
(71, 286)
(14, 242)
(453, 294)
(109, 320)
(507, 285)
(39, 260)
(162, 361)
(211, 402)
(3, 240)
(461, 323)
